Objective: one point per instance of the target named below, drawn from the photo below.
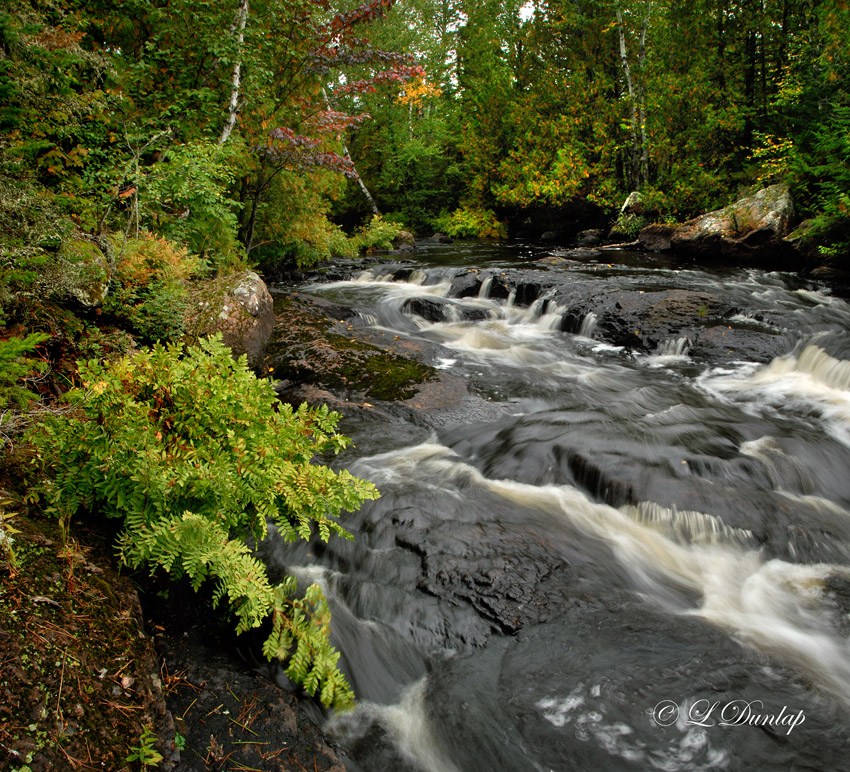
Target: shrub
(472, 223)
(378, 233)
(16, 366)
(149, 295)
(196, 454)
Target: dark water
(638, 561)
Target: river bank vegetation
(147, 146)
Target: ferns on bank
(196, 454)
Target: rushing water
(627, 553)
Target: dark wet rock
(504, 578)
(440, 238)
(751, 229)
(590, 238)
(831, 274)
(657, 237)
(641, 320)
(467, 284)
(231, 716)
(570, 256)
(725, 342)
(430, 309)
(239, 307)
(529, 291)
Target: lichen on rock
(238, 306)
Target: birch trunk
(637, 101)
(644, 145)
(630, 86)
(357, 177)
(238, 29)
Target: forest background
(149, 145)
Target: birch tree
(636, 89)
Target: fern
(196, 455)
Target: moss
(80, 251)
(307, 349)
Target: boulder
(81, 273)
(638, 319)
(469, 284)
(657, 237)
(404, 238)
(752, 227)
(590, 238)
(430, 309)
(237, 306)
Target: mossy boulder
(752, 229)
(238, 306)
(81, 273)
(320, 343)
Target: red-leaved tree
(301, 89)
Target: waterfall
(814, 362)
(588, 325)
(674, 348)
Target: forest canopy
(255, 130)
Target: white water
(728, 451)
(772, 605)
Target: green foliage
(16, 366)
(195, 455)
(153, 312)
(472, 223)
(145, 752)
(149, 295)
(629, 225)
(7, 533)
(378, 233)
(189, 199)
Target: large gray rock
(240, 308)
(80, 273)
(752, 227)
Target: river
(634, 558)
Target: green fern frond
(196, 455)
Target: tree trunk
(644, 145)
(360, 183)
(238, 29)
(639, 171)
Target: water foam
(771, 605)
